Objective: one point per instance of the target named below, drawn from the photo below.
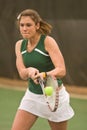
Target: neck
(34, 40)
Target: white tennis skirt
(35, 104)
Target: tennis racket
(53, 99)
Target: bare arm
(24, 72)
(56, 57)
(19, 62)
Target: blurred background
(69, 21)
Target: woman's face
(28, 28)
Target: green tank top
(37, 58)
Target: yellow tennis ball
(48, 90)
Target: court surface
(10, 96)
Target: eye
(28, 24)
(22, 25)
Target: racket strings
(53, 100)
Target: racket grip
(44, 74)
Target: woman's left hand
(41, 75)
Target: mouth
(25, 33)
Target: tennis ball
(48, 90)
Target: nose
(24, 28)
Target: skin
(28, 29)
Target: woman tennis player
(38, 54)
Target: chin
(25, 37)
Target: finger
(36, 81)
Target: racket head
(53, 99)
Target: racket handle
(44, 74)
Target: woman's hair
(45, 28)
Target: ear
(37, 26)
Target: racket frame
(42, 84)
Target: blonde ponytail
(45, 28)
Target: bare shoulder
(18, 43)
(49, 39)
(18, 46)
(50, 43)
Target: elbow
(63, 72)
